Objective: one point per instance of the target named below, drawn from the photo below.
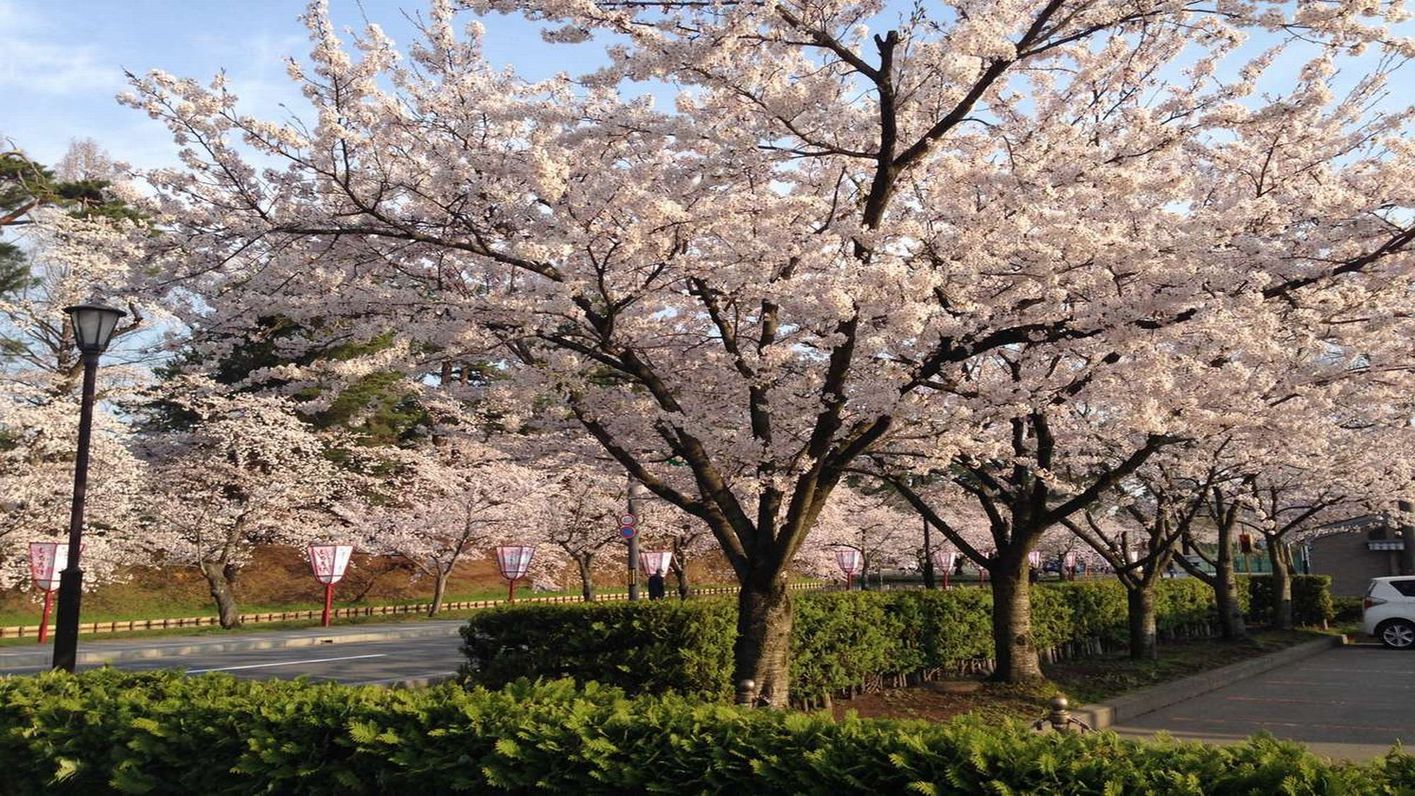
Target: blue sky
(62, 61)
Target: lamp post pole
(66, 621)
(93, 326)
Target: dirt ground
(1082, 680)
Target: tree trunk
(1140, 611)
(1014, 648)
(1230, 610)
(586, 579)
(1282, 585)
(680, 573)
(218, 581)
(439, 588)
(762, 653)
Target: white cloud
(45, 68)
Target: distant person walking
(656, 590)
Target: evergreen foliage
(840, 639)
(162, 732)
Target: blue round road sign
(627, 532)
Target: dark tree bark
(1230, 610)
(1280, 559)
(220, 581)
(1140, 616)
(582, 563)
(1014, 646)
(762, 653)
(680, 572)
(439, 589)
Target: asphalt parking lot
(1352, 702)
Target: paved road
(1350, 702)
(426, 652)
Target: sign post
(514, 561)
(629, 530)
(44, 558)
(329, 561)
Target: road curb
(1148, 700)
(94, 653)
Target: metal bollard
(1060, 719)
(747, 693)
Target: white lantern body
(1034, 558)
(1070, 560)
(46, 561)
(329, 561)
(514, 561)
(657, 561)
(945, 560)
(93, 326)
(849, 560)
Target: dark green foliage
(839, 639)
(1311, 599)
(161, 732)
(1346, 609)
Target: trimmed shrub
(1311, 599)
(1347, 609)
(839, 639)
(161, 732)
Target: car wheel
(1397, 634)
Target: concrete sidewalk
(94, 652)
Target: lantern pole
(44, 617)
(328, 603)
(929, 574)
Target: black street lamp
(93, 326)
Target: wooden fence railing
(127, 625)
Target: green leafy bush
(1311, 599)
(1346, 609)
(839, 639)
(161, 732)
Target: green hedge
(840, 639)
(161, 732)
(1311, 599)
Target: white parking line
(285, 663)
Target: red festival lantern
(944, 561)
(514, 561)
(45, 558)
(329, 562)
(850, 561)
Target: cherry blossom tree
(245, 472)
(40, 376)
(447, 502)
(837, 221)
(883, 533)
(582, 507)
(1137, 532)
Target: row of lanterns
(328, 561)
